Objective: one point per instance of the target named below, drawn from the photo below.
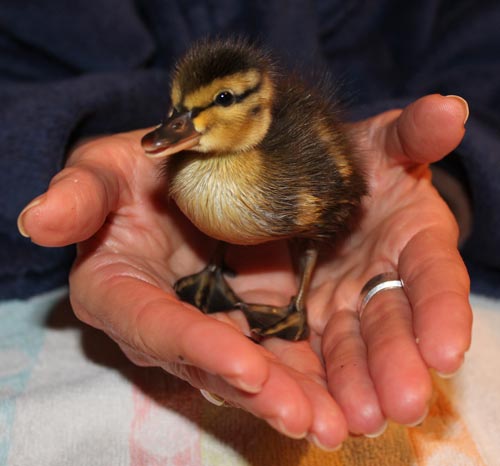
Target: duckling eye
(224, 98)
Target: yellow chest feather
(221, 196)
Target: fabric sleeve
(410, 49)
(55, 87)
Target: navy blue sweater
(74, 69)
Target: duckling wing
(312, 168)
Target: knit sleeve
(66, 73)
(390, 53)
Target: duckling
(254, 154)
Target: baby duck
(253, 154)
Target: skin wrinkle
(420, 303)
(187, 372)
(85, 175)
(390, 138)
(403, 125)
(196, 331)
(368, 418)
(135, 357)
(139, 341)
(399, 226)
(114, 280)
(123, 217)
(341, 337)
(95, 161)
(322, 298)
(447, 361)
(137, 272)
(347, 359)
(402, 141)
(83, 314)
(375, 320)
(287, 353)
(416, 277)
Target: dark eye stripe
(195, 111)
(248, 92)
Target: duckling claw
(286, 322)
(207, 290)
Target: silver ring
(382, 282)
(212, 398)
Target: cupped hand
(133, 245)
(377, 364)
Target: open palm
(351, 375)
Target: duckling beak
(176, 134)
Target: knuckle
(82, 313)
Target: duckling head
(221, 96)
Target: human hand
(132, 246)
(377, 365)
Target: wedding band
(212, 398)
(382, 282)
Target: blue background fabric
(86, 67)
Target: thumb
(426, 130)
(81, 196)
(74, 207)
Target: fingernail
(464, 103)
(212, 397)
(20, 218)
(448, 375)
(420, 420)
(280, 427)
(246, 387)
(379, 432)
(313, 439)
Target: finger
(328, 428)
(348, 374)
(400, 376)
(81, 196)
(155, 323)
(73, 209)
(441, 119)
(437, 285)
(281, 401)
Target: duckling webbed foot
(286, 322)
(208, 290)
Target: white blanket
(68, 397)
